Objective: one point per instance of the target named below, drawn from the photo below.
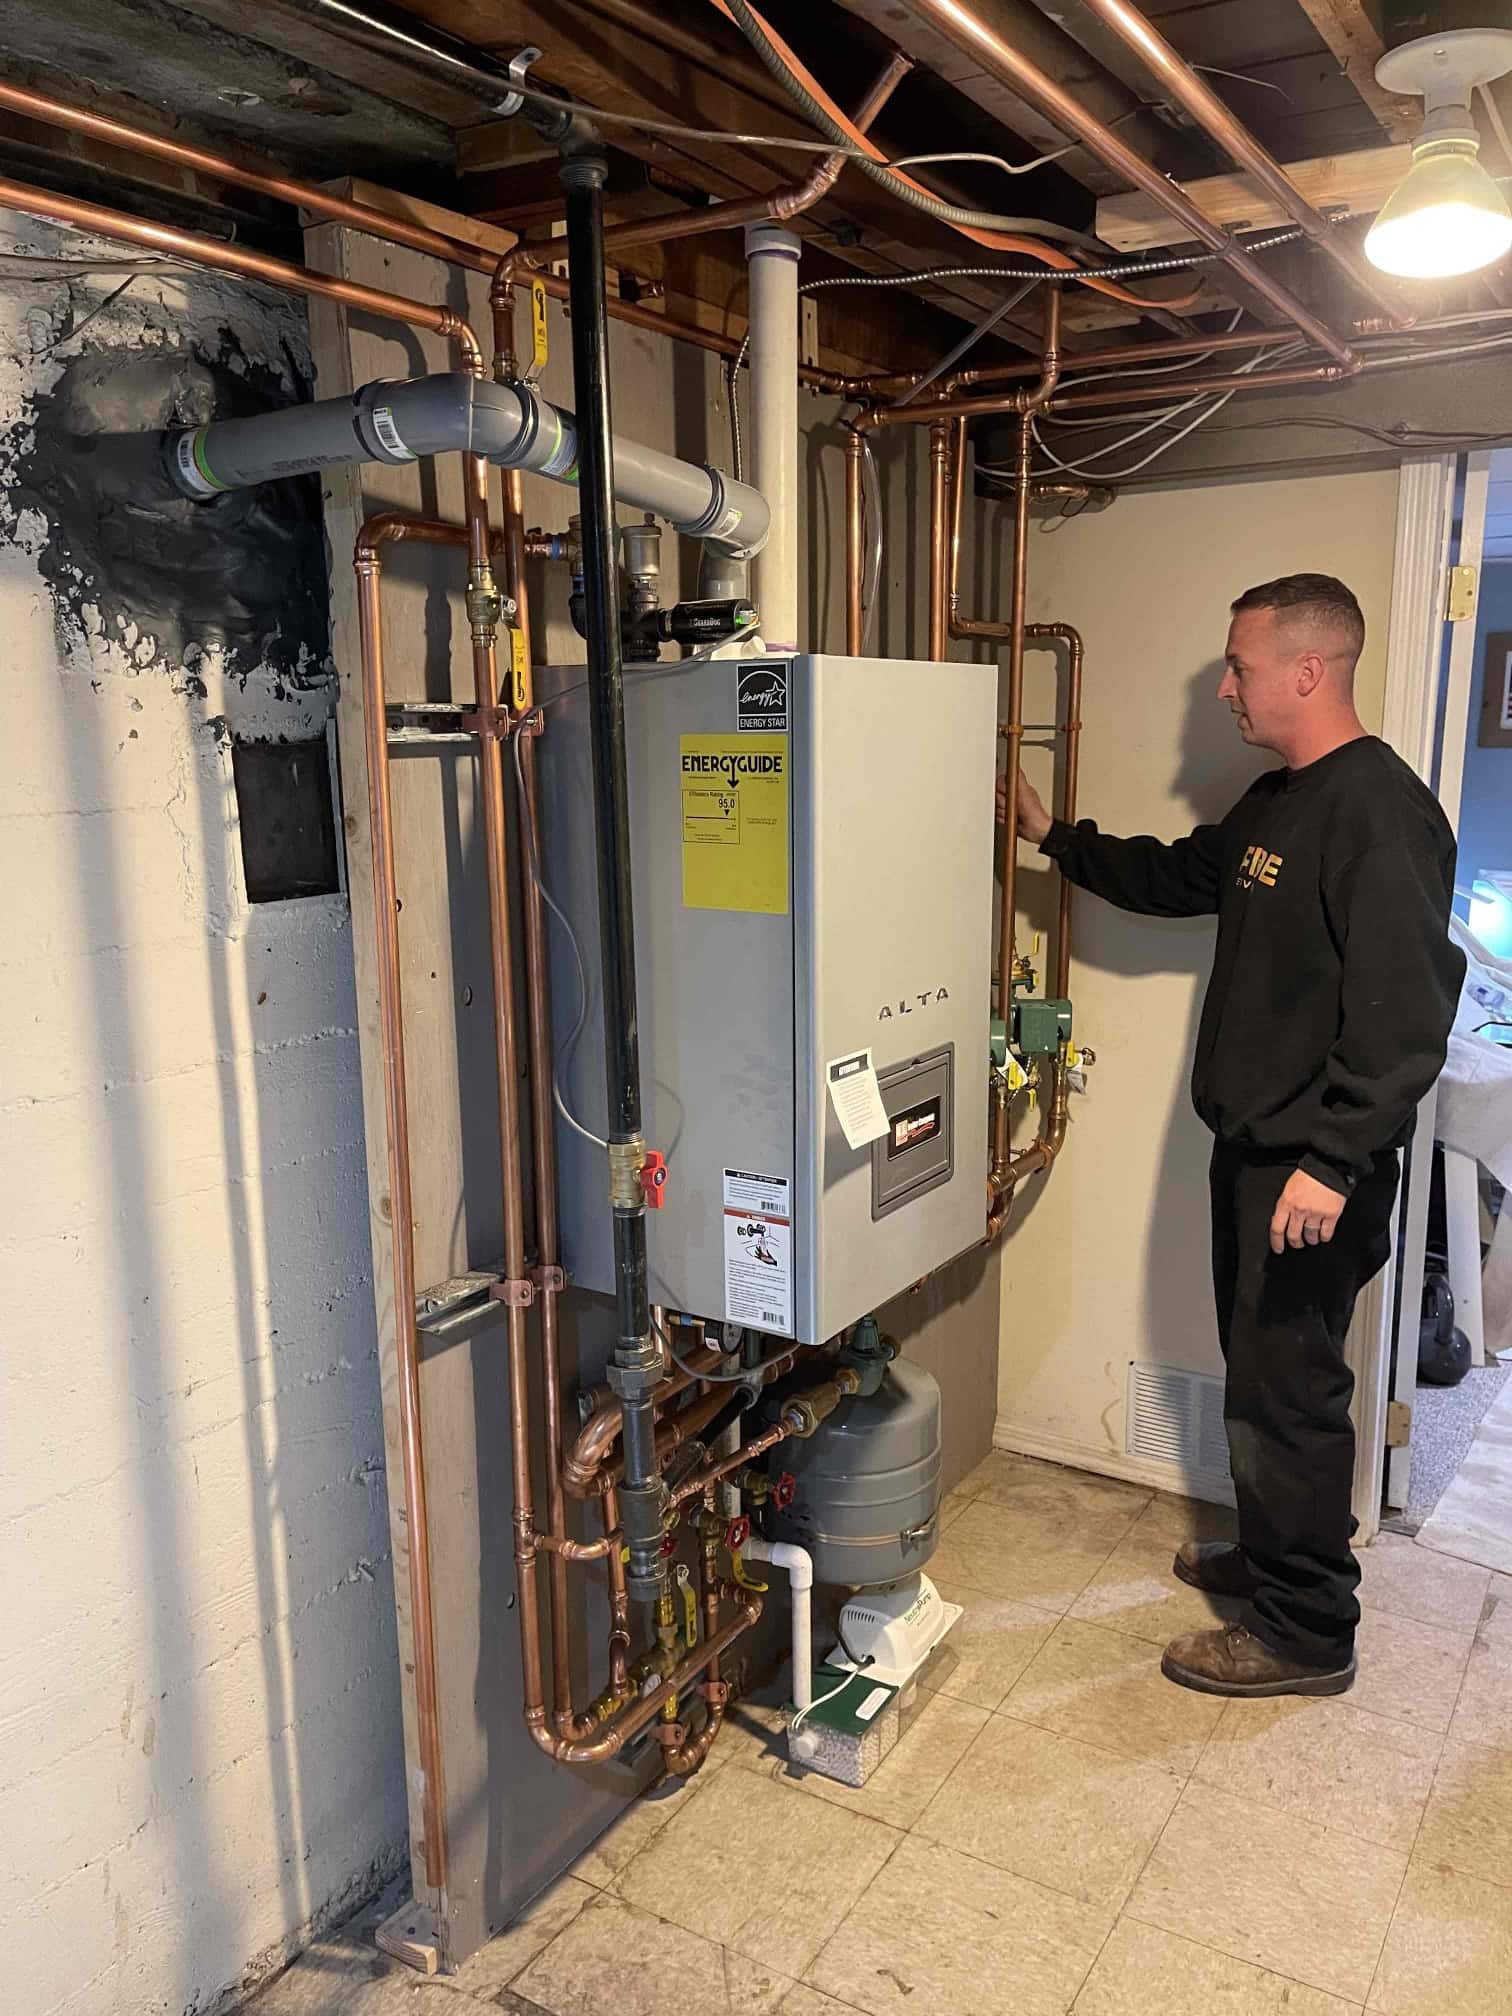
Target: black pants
(1282, 1320)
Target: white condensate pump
(891, 1631)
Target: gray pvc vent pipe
(451, 413)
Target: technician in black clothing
(1333, 990)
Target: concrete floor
(1059, 1829)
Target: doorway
(1436, 1452)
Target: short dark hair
(1319, 598)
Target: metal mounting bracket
(512, 102)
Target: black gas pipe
(636, 1366)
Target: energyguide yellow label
(735, 822)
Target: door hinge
(1463, 582)
(1398, 1424)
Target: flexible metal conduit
(977, 39)
(456, 413)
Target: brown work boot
(1220, 1567)
(1236, 1662)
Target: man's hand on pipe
(1306, 1213)
(1033, 817)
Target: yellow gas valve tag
(538, 344)
(1015, 1075)
(689, 1605)
(519, 665)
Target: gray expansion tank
(868, 1501)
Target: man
(1333, 989)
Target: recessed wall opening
(286, 818)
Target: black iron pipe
(636, 1365)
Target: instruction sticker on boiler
(758, 1251)
(735, 822)
(857, 1098)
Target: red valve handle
(668, 1545)
(653, 1180)
(784, 1490)
(737, 1533)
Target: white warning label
(385, 427)
(758, 1251)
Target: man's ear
(1310, 671)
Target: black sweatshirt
(1335, 981)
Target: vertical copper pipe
(854, 447)
(1064, 633)
(542, 1118)
(1013, 735)
(951, 531)
(619, 1603)
(401, 1216)
(939, 470)
(686, 1757)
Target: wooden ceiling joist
(1352, 36)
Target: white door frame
(1414, 660)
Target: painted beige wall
(1108, 1261)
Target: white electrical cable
(561, 1058)
(1011, 167)
(871, 586)
(1211, 408)
(818, 1702)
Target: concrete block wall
(201, 1751)
(201, 1758)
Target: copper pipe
(703, 1480)
(563, 1550)
(401, 1207)
(619, 1601)
(590, 1451)
(1041, 1154)
(599, 1749)
(520, 269)
(670, 1436)
(1181, 83)
(1013, 734)
(782, 204)
(1233, 381)
(1065, 633)
(1112, 354)
(303, 195)
(528, 1542)
(309, 196)
(855, 447)
(542, 1119)
(73, 210)
(682, 1757)
(939, 461)
(959, 384)
(967, 31)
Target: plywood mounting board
(514, 1818)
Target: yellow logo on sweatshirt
(1259, 866)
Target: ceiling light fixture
(1446, 216)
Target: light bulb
(1445, 217)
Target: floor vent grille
(1177, 1417)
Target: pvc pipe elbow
(796, 1562)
